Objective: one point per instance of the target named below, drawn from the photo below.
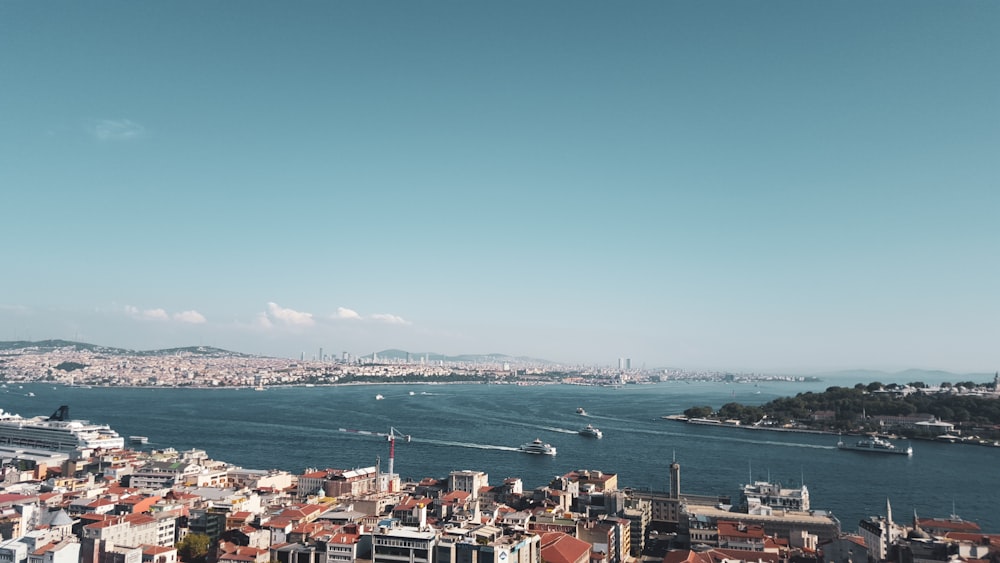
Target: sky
(757, 186)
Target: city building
(468, 481)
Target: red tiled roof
(345, 539)
(139, 519)
(277, 523)
(686, 557)
(235, 557)
(729, 529)
(992, 539)
(719, 555)
(557, 547)
(41, 550)
(455, 496)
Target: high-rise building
(628, 363)
(621, 363)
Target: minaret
(675, 479)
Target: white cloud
(391, 319)
(118, 130)
(146, 314)
(193, 317)
(159, 314)
(289, 316)
(345, 313)
(351, 314)
(263, 321)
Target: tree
(193, 548)
(698, 412)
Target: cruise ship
(56, 433)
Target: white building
(468, 481)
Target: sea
(479, 427)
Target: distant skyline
(755, 186)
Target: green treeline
(851, 408)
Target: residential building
(468, 481)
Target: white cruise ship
(56, 433)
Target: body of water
(480, 427)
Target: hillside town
(72, 492)
(71, 363)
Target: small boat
(591, 432)
(379, 397)
(579, 410)
(538, 447)
(876, 445)
(30, 394)
(412, 393)
(138, 439)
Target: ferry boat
(876, 445)
(56, 433)
(138, 439)
(538, 447)
(591, 432)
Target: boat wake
(538, 427)
(554, 429)
(734, 439)
(611, 418)
(465, 445)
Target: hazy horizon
(779, 187)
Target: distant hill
(44, 346)
(930, 377)
(53, 345)
(394, 354)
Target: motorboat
(538, 447)
(591, 432)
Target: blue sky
(762, 186)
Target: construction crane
(391, 436)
